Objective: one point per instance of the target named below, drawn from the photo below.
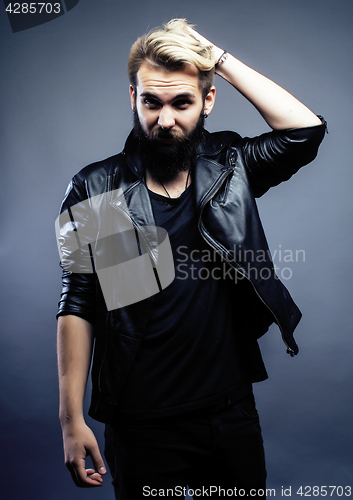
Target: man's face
(169, 104)
(168, 119)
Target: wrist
(221, 59)
(68, 419)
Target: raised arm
(279, 108)
(74, 342)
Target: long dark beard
(165, 161)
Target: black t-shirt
(188, 356)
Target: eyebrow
(184, 95)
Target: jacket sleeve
(274, 157)
(78, 279)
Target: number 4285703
(323, 491)
(33, 8)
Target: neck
(173, 188)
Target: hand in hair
(279, 108)
(216, 50)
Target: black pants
(210, 451)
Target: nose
(166, 118)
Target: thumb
(98, 461)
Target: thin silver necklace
(186, 184)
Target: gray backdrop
(64, 103)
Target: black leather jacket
(230, 172)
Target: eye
(182, 103)
(151, 103)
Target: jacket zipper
(221, 252)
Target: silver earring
(205, 115)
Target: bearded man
(173, 372)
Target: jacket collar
(206, 176)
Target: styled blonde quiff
(171, 48)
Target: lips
(165, 138)
(160, 134)
(168, 137)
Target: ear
(132, 96)
(210, 100)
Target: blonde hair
(171, 48)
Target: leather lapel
(207, 172)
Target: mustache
(175, 135)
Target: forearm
(277, 106)
(75, 340)
(74, 347)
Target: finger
(85, 478)
(97, 460)
(199, 37)
(95, 476)
(91, 478)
